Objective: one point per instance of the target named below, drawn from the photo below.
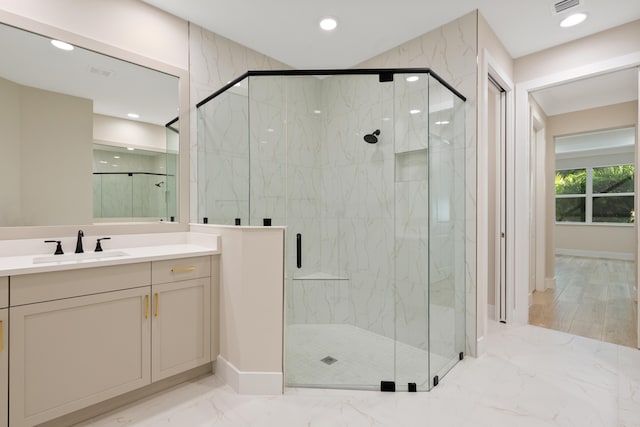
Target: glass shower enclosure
(365, 168)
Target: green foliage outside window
(605, 180)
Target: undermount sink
(86, 256)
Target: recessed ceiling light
(116, 157)
(412, 79)
(104, 162)
(442, 122)
(572, 20)
(61, 45)
(130, 148)
(115, 166)
(133, 115)
(414, 111)
(271, 130)
(317, 111)
(328, 24)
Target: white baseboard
(250, 382)
(550, 282)
(481, 346)
(596, 254)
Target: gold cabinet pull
(182, 269)
(146, 306)
(156, 313)
(0, 336)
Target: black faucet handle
(98, 245)
(58, 246)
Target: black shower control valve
(58, 246)
(98, 245)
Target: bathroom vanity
(86, 329)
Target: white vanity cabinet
(4, 352)
(69, 351)
(181, 325)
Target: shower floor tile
(363, 358)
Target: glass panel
(613, 179)
(223, 157)
(340, 200)
(412, 230)
(446, 229)
(613, 209)
(572, 181)
(570, 209)
(129, 182)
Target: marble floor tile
(529, 376)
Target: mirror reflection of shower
(372, 138)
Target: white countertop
(11, 266)
(24, 264)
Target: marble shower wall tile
(215, 61)
(451, 52)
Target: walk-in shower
(366, 170)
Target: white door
(497, 205)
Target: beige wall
(56, 158)
(47, 156)
(607, 44)
(595, 238)
(10, 185)
(129, 133)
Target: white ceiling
(288, 30)
(605, 89)
(116, 87)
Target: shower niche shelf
(412, 165)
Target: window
(595, 195)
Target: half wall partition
(366, 170)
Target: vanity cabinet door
(181, 328)
(71, 353)
(4, 367)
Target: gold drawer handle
(0, 336)
(182, 269)
(156, 314)
(146, 306)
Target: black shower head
(372, 138)
(159, 184)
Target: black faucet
(79, 249)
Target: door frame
(489, 66)
(518, 194)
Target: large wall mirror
(86, 138)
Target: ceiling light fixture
(130, 148)
(328, 24)
(414, 111)
(61, 45)
(116, 157)
(412, 79)
(133, 115)
(442, 122)
(572, 20)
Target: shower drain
(329, 360)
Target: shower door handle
(299, 250)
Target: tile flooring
(594, 298)
(363, 358)
(529, 376)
